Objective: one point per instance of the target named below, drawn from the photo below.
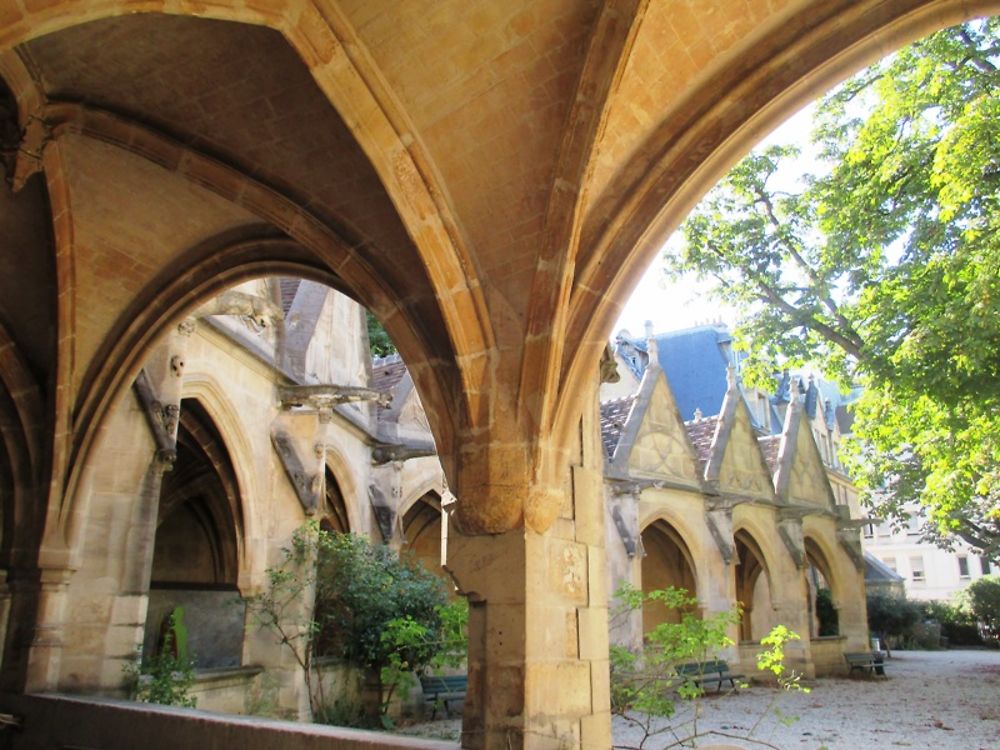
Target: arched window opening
(753, 590)
(422, 532)
(195, 554)
(824, 619)
(667, 563)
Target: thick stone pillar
(538, 629)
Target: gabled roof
(743, 470)
(797, 446)
(695, 363)
(613, 416)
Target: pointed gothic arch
(668, 562)
(753, 585)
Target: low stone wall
(51, 721)
(227, 690)
(828, 655)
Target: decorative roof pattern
(701, 433)
(289, 288)
(613, 416)
(770, 446)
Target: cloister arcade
(490, 181)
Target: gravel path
(930, 700)
(938, 700)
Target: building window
(890, 563)
(984, 565)
(917, 569)
(869, 530)
(912, 526)
(963, 566)
(884, 529)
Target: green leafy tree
(983, 596)
(338, 594)
(378, 339)
(885, 269)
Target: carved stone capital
(323, 398)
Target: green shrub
(983, 596)
(338, 594)
(891, 616)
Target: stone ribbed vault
(490, 178)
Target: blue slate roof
(695, 362)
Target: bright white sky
(685, 303)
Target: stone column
(538, 629)
(48, 596)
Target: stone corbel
(720, 525)
(385, 512)
(162, 419)
(790, 531)
(307, 486)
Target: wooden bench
(443, 688)
(865, 661)
(708, 672)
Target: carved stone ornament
(162, 421)
(385, 513)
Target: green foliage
(891, 616)
(984, 601)
(956, 621)
(826, 613)
(165, 677)
(338, 594)
(378, 339)
(885, 270)
(645, 685)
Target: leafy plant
(983, 596)
(891, 616)
(338, 594)
(378, 339)
(167, 676)
(646, 685)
